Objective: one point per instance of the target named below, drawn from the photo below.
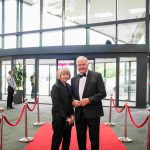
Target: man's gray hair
(81, 58)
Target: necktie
(82, 75)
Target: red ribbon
(17, 122)
(119, 111)
(131, 118)
(31, 109)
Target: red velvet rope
(17, 122)
(131, 118)
(119, 111)
(31, 109)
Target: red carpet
(108, 139)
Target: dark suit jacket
(94, 90)
(62, 101)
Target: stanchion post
(125, 139)
(1, 117)
(26, 138)
(38, 123)
(148, 132)
(110, 112)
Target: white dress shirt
(11, 82)
(82, 82)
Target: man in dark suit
(88, 91)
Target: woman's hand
(69, 120)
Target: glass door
(47, 77)
(107, 67)
(127, 80)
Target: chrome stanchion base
(125, 140)
(38, 123)
(110, 124)
(26, 139)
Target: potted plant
(18, 77)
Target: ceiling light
(76, 17)
(137, 10)
(104, 15)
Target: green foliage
(19, 75)
(111, 72)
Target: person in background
(62, 110)
(88, 91)
(32, 79)
(11, 88)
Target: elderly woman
(62, 110)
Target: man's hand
(84, 101)
(76, 103)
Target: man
(11, 88)
(88, 91)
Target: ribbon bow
(82, 75)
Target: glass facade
(75, 12)
(101, 34)
(128, 9)
(10, 11)
(72, 24)
(31, 15)
(102, 11)
(40, 15)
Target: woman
(62, 110)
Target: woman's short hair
(63, 70)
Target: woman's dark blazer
(94, 90)
(62, 101)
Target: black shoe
(12, 108)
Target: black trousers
(10, 91)
(61, 132)
(81, 127)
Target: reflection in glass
(107, 67)
(0, 42)
(52, 38)
(10, 11)
(52, 13)
(31, 15)
(30, 40)
(0, 17)
(128, 9)
(127, 79)
(75, 11)
(91, 65)
(102, 11)
(10, 42)
(133, 33)
(6, 66)
(78, 37)
(30, 71)
(47, 77)
(99, 35)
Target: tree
(19, 75)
